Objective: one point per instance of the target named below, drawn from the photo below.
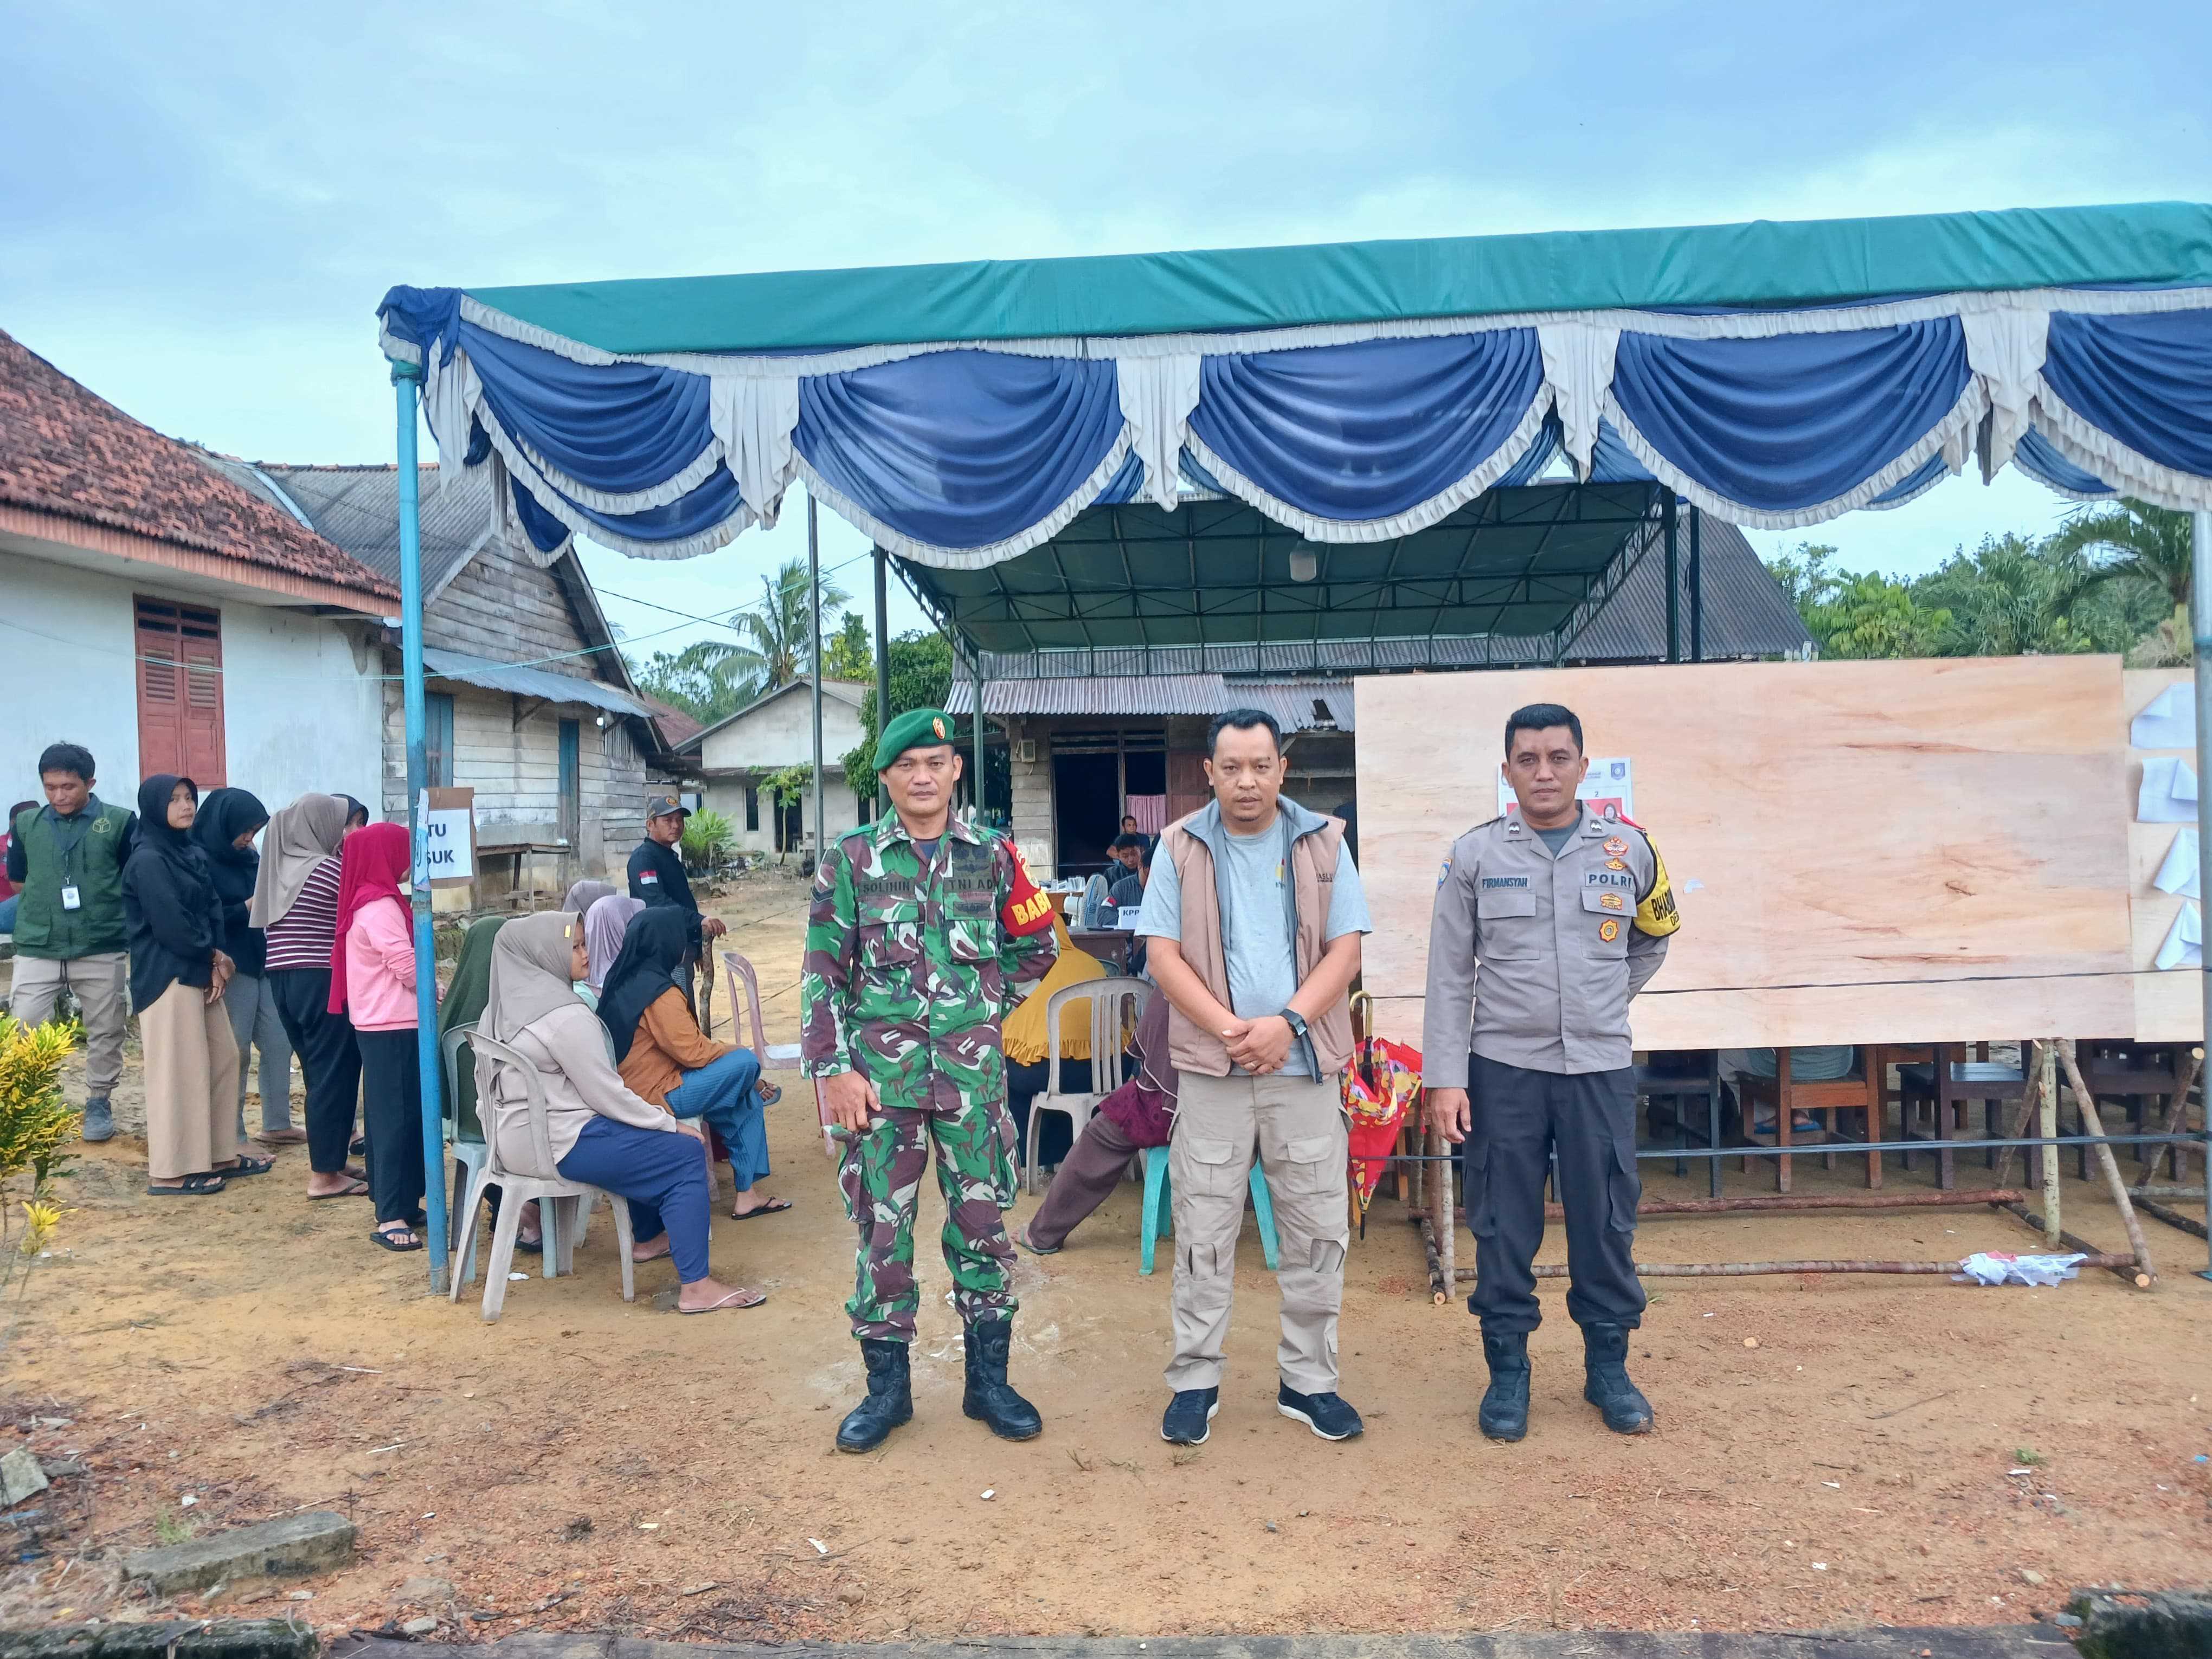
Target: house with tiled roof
(530, 703)
(167, 619)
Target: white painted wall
(780, 733)
(298, 712)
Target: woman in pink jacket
(373, 981)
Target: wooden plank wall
(1881, 851)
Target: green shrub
(706, 840)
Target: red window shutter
(180, 692)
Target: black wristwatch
(1297, 1022)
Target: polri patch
(1619, 878)
(1615, 845)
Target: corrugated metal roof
(358, 508)
(1296, 705)
(524, 682)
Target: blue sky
(200, 207)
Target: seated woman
(663, 1057)
(1023, 1037)
(601, 1133)
(1139, 1114)
(605, 921)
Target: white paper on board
(2185, 941)
(2168, 721)
(2178, 873)
(2168, 795)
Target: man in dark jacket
(656, 872)
(68, 857)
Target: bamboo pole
(2048, 1128)
(2121, 1264)
(2114, 1182)
(1439, 1287)
(2172, 1218)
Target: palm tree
(774, 643)
(2138, 539)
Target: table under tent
(1359, 458)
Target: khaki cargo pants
(99, 983)
(1297, 1125)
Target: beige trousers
(99, 983)
(191, 1083)
(1297, 1125)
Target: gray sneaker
(99, 1119)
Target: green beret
(918, 728)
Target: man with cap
(1568, 912)
(922, 928)
(656, 870)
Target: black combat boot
(1504, 1415)
(989, 1398)
(889, 1402)
(1605, 1385)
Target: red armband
(1027, 910)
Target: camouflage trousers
(880, 1176)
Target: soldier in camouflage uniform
(922, 928)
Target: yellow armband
(1656, 915)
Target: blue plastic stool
(1159, 1208)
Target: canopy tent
(1359, 396)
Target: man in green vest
(67, 856)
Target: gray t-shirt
(1250, 883)
(1555, 839)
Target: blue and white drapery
(959, 455)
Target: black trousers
(391, 1119)
(329, 1060)
(1520, 1118)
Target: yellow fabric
(1657, 915)
(1023, 1031)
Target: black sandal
(386, 1237)
(247, 1166)
(192, 1186)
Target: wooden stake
(2172, 1218)
(1439, 1286)
(2094, 1124)
(2177, 1117)
(1440, 1206)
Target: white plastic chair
(1116, 1005)
(468, 1155)
(558, 1200)
(783, 1057)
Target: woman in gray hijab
(600, 1133)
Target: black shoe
(990, 1398)
(1189, 1417)
(1605, 1385)
(1327, 1415)
(889, 1402)
(1505, 1413)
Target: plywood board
(1864, 852)
(2169, 1006)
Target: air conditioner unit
(1025, 750)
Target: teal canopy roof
(1764, 263)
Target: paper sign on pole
(1609, 789)
(449, 837)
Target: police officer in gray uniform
(1568, 912)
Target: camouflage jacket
(908, 969)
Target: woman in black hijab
(224, 829)
(356, 815)
(173, 920)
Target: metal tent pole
(883, 660)
(977, 664)
(814, 611)
(406, 378)
(1697, 585)
(2200, 629)
(1673, 515)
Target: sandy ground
(586, 1464)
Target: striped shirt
(304, 935)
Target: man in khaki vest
(1255, 915)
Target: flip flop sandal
(1021, 1239)
(774, 1206)
(769, 1093)
(248, 1166)
(192, 1186)
(530, 1246)
(357, 1189)
(386, 1239)
(734, 1300)
(661, 1255)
